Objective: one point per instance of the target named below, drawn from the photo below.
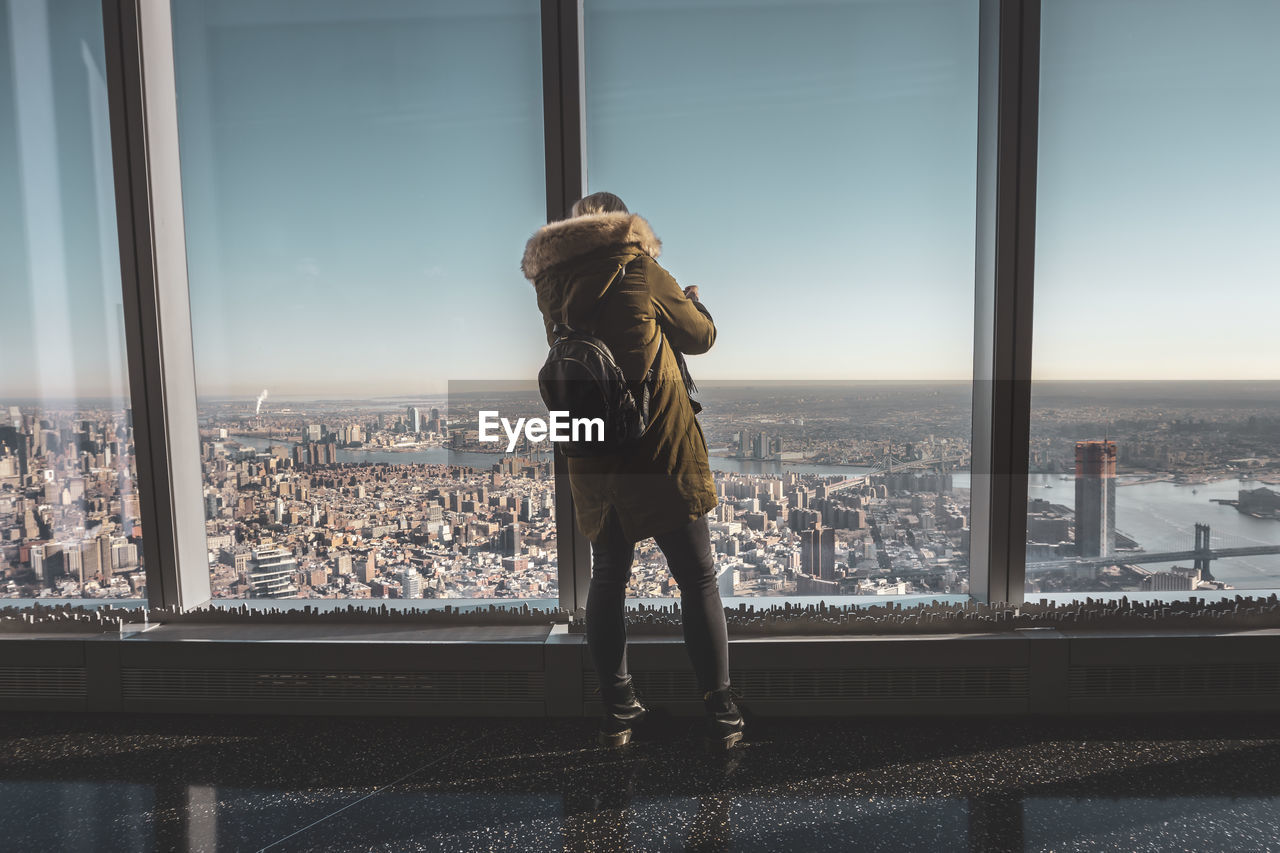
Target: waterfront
(1161, 516)
(445, 456)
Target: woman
(598, 269)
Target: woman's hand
(691, 292)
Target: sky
(359, 181)
(61, 323)
(1159, 190)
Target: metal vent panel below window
(215, 684)
(1210, 680)
(43, 682)
(867, 683)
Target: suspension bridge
(889, 465)
(1196, 545)
(1200, 554)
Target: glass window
(359, 181)
(811, 168)
(69, 521)
(1155, 424)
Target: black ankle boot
(622, 710)
(724, 719)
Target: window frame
(1004, 278)
(143, 110)
(142, 101)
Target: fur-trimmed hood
(566, 239)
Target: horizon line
(529, 384)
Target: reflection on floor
(178, 782)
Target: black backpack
(581, 377)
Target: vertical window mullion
(1007, 129)
(565, 128)
(144, 136)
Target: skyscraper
(270, 573)
(818, 552)
(38, 565)
(509, 540)
(90, 559)
(1096, 498)
(103, 542)
(73, 562)
(410, 583)
(726, 578)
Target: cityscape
(840, 489)
(69, 519)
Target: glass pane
(811, 168)
(359, 180)
(69, 524)
(1155, 432)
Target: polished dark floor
(112, 782)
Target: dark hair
(598, 203)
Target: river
(1161, 517)
(445, 456)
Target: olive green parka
(664, 481)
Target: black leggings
(688, 553)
